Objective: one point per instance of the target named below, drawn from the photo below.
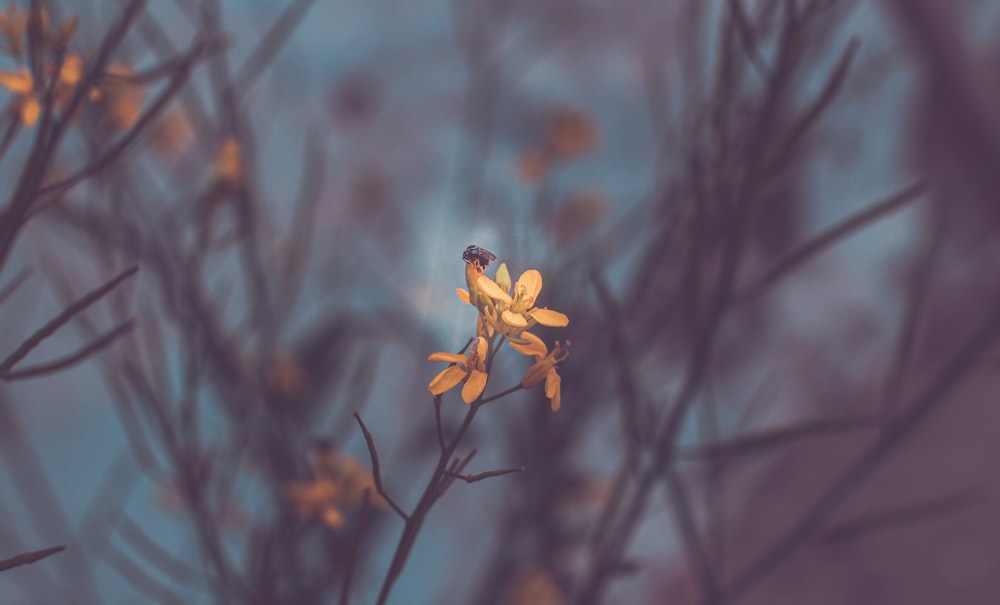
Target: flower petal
(534, 346)
(550, 318)
(552, 389)
(18, 82)
(491, 289)
(482, 348)
(446, 380)
(514, 319)
(449, 357)
(72, 70)
(30, 110)
(529, 285)
(463, 295)
(332, 517)
(537, 373)
(474, 386)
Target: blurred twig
(29, 557)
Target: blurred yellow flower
(229, 168)
(316, 499)
(545, 366)
(22, 84)
(121, 95)
(469, 368)
(535, 587)
(338, 480)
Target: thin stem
(377, 469)
(486, 475)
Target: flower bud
(537, 372)
(502, 277)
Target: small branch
(748, 39)
(831, 89)
(684, 519)
(453, 470)
(486, 475)
(377, 469)
(437, 422)
(30, 557)
(14, 285)
(270, 45)
(770, 439)
(73, 358)
(866, 524)
(826, 239)
(62, 319)
(345, 591)
(504, 393)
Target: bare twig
(345, 591)
(930, 398)
(377, 469)
(73, 358)
(60, 320)
(30, 557)
(831, 236)
(14, 285)
(486, 475)
(700, 564)
(880, 520)
(769, 439)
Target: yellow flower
(519, 311)
(338, 480)
(317, 498)
(229, 167)
(22, 84)
(545, 366)
(469, 368)
(121, 95)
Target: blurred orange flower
(532, 167)
(229, 167)
(338, 481)
(570, 132)
(121, 95)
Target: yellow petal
(72, 70)
(30, 110)
(502, 277)
(536, 373)
(448, 357)
(491, 289)
(463, 295)
(474, 386)
(18, 82)
(482, 348)
(552, 389)
(514, 319)
(550, 318)
(446, 380)
(529, 285)
(534, 345)
(229, 161)
(332, 517)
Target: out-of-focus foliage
(766, 226)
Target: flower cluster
(118, 92)
(504, 314)
(338, 481)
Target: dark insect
(479, 256)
